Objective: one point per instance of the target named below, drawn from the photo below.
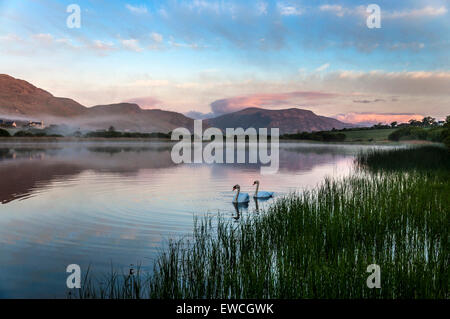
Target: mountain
(126, 116)
(20, 100)
(288, 121)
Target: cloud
(336, 9)
(163, 13)
(414, 83)
(156, 37)
(368, 118)
(47, 40)
(176, 44)
(65, 41)
(341, 11)
(136, 9)
(261, 8)
(102, 46)
(234, 104)
(43, 37)
(427, 11)
(216, 7)
(149, 82)
(407, 30)
(323, 67)
(288, 9)
(157, 40)
(369, 101)
(10, 37)
(406, 45)
(131, 44)
(263, 25)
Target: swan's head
(256, 183)
(236, 187)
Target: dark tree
(415, 123)
(4, 133)
(428, 121)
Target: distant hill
(22, 100)
(288, 121)
(129, 116)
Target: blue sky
(193, 55)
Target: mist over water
(99, 204)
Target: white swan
(261, 194)
(241, 198)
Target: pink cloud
(234, 104)
(374, 118)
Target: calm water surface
(103, 204)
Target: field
(319, 243)
(368, 135)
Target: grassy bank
(315, 244)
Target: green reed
(131, 285)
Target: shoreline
(81, 140)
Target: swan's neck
(257, 188)
(237, 195)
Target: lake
(103, 204)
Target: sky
(206, 58)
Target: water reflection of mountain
(306, 158)
(302, 157)
(19, 179)
(26, 169)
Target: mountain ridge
(291, 120)
(21, 99)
